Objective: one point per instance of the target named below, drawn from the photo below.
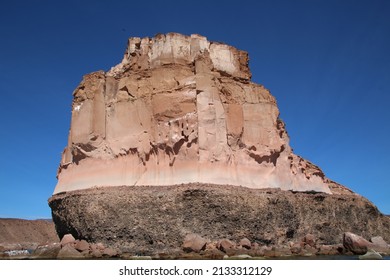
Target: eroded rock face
(180, 109)
(145, 220)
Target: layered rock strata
(180, 109)
(176, 140)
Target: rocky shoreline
(176, 141)
(198, 221)
(258, 223)
(196, 247)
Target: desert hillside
(23, 231)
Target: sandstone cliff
(176, 139)
(180, 109)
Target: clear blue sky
(326, 62)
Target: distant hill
(27, 231)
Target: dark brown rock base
(147, 220)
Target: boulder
(380, 245)
(225, 245)
(68, 252)
(100, 246)
(371, 255)
(245, 243)
(309, 250)
(194, 243)
(310, 240)
(296, 248)
(110, 252)
(355, 243)
(212, 245)
(327, 250)
(96, 254)
(82, 245)
(67, 239)
(213, 254)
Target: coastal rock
(96, 253)
(355, 243)
(213, 254)
(379, 242)
(296, 248)
(245, 243)
(110, 252)
(276, 251)
(82, 245)
(68, 252)
(180, 109)
(226, 245)
(212, 210)
(328, 250)
(310, 240)
(177, 138)
(371, 255)
(100, 246)
(380, 245)
(309, 250)
(194, 243)
(67, 239)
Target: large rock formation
(180, 110)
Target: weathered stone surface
(100, 246)
(110, 252)
(379, 244)
(215, 211)
(68, 252)
(81, 245)
(245, 243)
(296, 248)
(328, 250)
(355, 243)
(96, 253)
(67, 239)
(379, 241)
(177, 132)
(308, 250)
(371, 255)
(213, 254)
(194, 243)
(276, 252)
(180, 109)
(225, 245)
(310, 240)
